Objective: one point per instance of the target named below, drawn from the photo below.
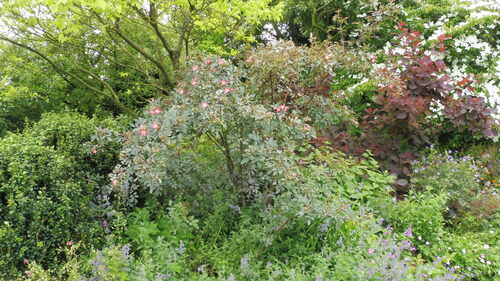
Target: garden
(249, 140)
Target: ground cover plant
(249, 140)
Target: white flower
(486, 246)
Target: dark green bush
(47, 191)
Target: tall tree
(85, 41)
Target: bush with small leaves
(48, 187)
(212, 109)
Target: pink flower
(26, 261)
(195, 68)
(70, 243)
(208, 61)
(425, 275)
(221, 61)
(204, 105)
(223, 82)
(227, 91)
(114, 182)
(281, 108)
(371, 251)
(28, 273)
(143, 132)
(155, 110)
(249, 59)
(155, 126)
(406, 259)
(94, 151)
(180, 91)
(194, 82)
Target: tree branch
(63, 72)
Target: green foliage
(47, 199)
(311, 231)
(421, 212)
(25, 93)
(461, 179)
(40, 194)
(233, 171)
(353, 179)
(357, 22)
(143, 232)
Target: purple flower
(244, 262)
(236, 208)
(323, 227)
(371, 251)
(182, 248)
(408, 232)
(125, 250)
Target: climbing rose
(194, 82)
(180, 91)
(223, 82)
(194, 68)
(227, 90)
(143, 132)
(155, 126)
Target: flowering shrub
(303, 79)
(213, 108)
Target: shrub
(461, 179)
(413, 84)
(48, 188)
(307, 79)
(420, 215)
(44, 204)
(212, 109)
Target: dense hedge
(47, 191)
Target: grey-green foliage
(212, 134)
